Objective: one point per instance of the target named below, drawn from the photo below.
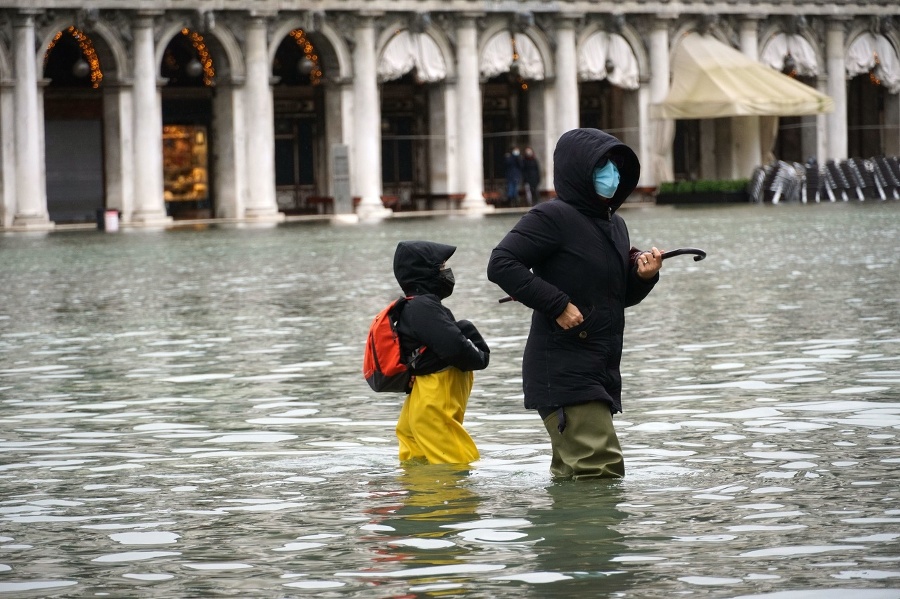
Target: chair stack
(861, 179)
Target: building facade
(249, 110)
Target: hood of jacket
(576, 155)
(417, 264)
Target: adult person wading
(568, 260)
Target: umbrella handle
(697, 253)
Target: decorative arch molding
(112, 48)
(220, 39)
(542, 42)
(117, 50)
(596, 46)
(701, 27)
(443, 43)
(235, 70)
(806, 58)
(496, 55)
(165, 37)
(435, 45)
(875, 53)
(636, 41)
(337, 56)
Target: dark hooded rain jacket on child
(425, 320)
(430, 424)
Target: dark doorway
(600, 105)
(686, 150)
(301, 155)
(404, 140)
(73, 129)
(187, 126)
(865, 116)
(505, 125)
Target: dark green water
(182, 414)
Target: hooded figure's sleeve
(534, 238)
(443, 337)
(636, 288)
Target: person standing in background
(531, 171)
(513, 172)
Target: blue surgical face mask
(606, 179)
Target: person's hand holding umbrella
(649, 263)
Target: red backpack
(383, 365)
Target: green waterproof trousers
(587, 447)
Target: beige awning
(711, 79)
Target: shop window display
(185, 156)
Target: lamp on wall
(609, 65)
(193, 68)
(305, 66)
(81, 68)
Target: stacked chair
(858, 179)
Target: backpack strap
(399, 304)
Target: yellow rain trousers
(430, 425)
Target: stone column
(229, 128)
(31, 195)
(260, 125)
(149, 205)
(745, 130)
(7, 154)
(661, 169)
(891, 124)
(442, 145)
(567, 111)
(645, 133)
(118, 146)
(837, 88)
(334, 107)
(822, 124)
(468, 95)
(366, 144)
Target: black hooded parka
(574, 249)
(424, 320)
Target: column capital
(838, 22)
(568, 19)
(367, 17)
(469, 18)
(750, 22)
(25, 17)
(262, 15)
(663, 22)
(146, 18)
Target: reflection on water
(182, 414)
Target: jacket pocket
(596, 323)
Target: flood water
(182, 414)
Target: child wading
(430, 424)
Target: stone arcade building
(165, 109)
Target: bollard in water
(108, 220)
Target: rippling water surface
(182, 415)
